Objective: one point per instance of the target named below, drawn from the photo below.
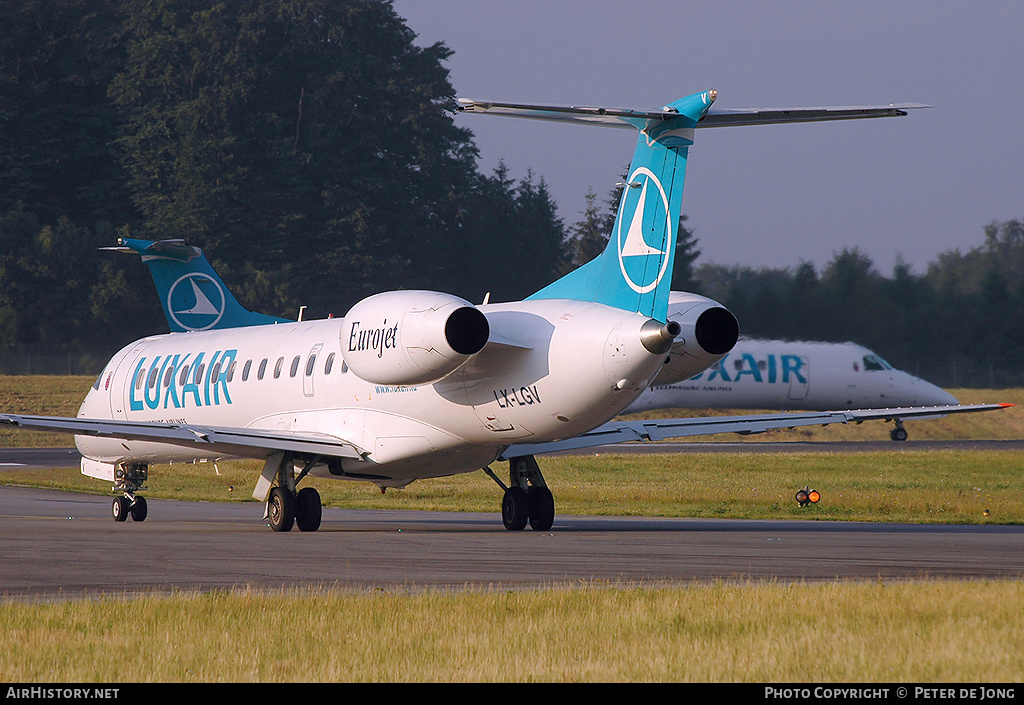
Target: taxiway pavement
(59, 544)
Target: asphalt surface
(60, 544)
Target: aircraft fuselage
(553, 369)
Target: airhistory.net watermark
(57, 693)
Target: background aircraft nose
(927, 394)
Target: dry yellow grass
(946, 632)
(40, 395)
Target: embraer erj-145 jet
(418, 384)
(791, 375)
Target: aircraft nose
(930, 395)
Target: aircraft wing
(714, 117)
(620, 431)
(240, 442)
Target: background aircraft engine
(411, 337)
(708, 331)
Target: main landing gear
(527, 497)
(899, 433)
(287, 507)
(130, 479)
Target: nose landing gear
(129, 480)
(129, 505)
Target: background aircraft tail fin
(191, 293)
(634, 272)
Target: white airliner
(418, 384)
(792, 375)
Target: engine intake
(411, 337)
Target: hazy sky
(773, 195)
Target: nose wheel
(129, 480)
(133, 506)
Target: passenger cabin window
(153, 373)
(245, 370)
(309, 365)
(262, 370)
(231, 371)
(183, 376)
(278, 366)
(295, 366)
(329, 364)
(139, 378)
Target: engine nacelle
(411, 337)
(708, 331)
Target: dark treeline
(961, 323)
(308, 147)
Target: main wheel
(308, 509)
(139, 509)
(282, 509)
(542, 508)
(120, 508)
(515, 509)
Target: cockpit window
(873, 362)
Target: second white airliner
(790, 376)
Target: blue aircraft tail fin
(193, 296)
(634, 272)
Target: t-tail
(634, 272)
(193, 296)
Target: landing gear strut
(287, 507)
(899, 433)
(527, 498)
(130, 479)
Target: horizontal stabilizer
(714, 117)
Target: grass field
(870, 632)
(923, 632)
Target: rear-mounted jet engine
(411, 337)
